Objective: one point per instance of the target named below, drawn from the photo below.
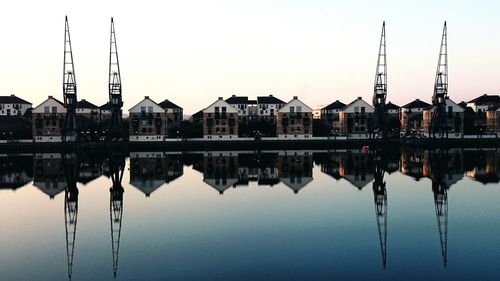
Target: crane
(115, 130)
(380, 201)
(70, 208)
(70, 125)
(438, 124)
(116, 163)
(380, 88)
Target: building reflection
(483, 165)
(221, 170)
(355, 166)
(295, 169)
(49, 174)
(150, 170)
(16, 170)
(225, 169)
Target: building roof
(86, 104)
(106, 106)
(334, 105)
(416, 104)
(168, 104)
(12, 99)
(146, 98)
(237, 100)
(390, 106)
(486, 99)
(269, 100)
(359, 99)
(494, 108)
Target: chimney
(234, 96)
(146, 97)
(359, 98)
(270, 95)
(51, 97)
(295, 97)
(220, 98)
(12, 95)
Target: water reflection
(116, 167)
(56, 173)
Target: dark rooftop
(334, 105)
(416, 104)
(86, 104)
(269, 100)
(390, 106)
(486, 99)
(237, 100)
(168, 104)
(12, 99)
(106, 106)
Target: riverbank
(202, 145)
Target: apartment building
(330, 115)
(147, 121)
(173, 116)
(48, 120)
(220, 121)
(454, 119)
(13, 106)
(356, 118)
(294, 120)
(411, 116)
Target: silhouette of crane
(70, 207)
(116, 163)
(438, 124)
(115, 130)
(380, 200)
(380, 88)
(70, 125)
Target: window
(292, 109)
(362, 109)
(299, 108)
(356, 109)
(150, 109)
(46, 109)
(143, 109)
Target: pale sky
(192, 52)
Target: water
(295, 215)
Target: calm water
(295, 215)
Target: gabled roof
(106, 106)
(486, 99)
(168, 104)
(146, 98)
(359, 99)
(295, 102)
(269, 100)
(86, 104)
(334, 105)
(12, 99)
(50, 98)
(221, 102)
(390, 106)
(416, 104)
(237, 100)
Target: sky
(192, 52)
